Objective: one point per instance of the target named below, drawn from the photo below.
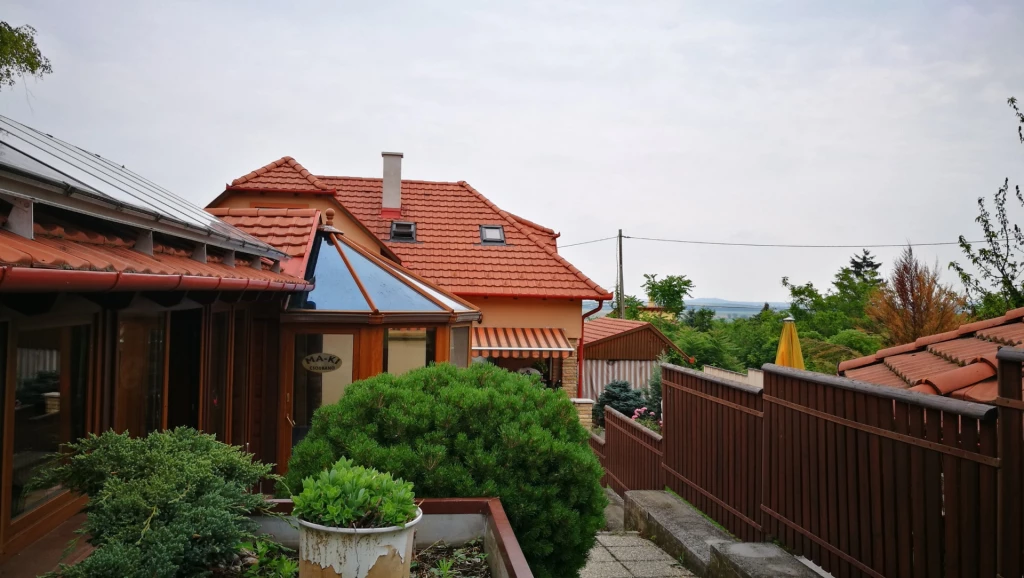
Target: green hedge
(476, 432)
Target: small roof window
(492, 234)
(403, 231)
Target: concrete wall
(565, 314)
(754, 377)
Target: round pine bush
(620, 397)
(475, 432)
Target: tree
(668, 293)
(865, 268)
(840, 307)
(913, 303)
(997, 286)
(19, 55)
(633, 305)
(700, 319)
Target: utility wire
(778, 245)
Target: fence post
(1011, 438)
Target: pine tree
(864, 267)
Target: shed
(621, 349)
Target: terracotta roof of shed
(290, 230)
(959, 363)
(605, 327)
(447, 250)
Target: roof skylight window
(403, 231)
(492, 234)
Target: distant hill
(723, 308)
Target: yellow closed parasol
(789, 353)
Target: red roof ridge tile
(254, 212)
(283, 161)
(381, 179)
(533, 237)
(541, 228)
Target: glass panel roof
(34, 152)
(387, 292)
(389, 289)
(335, 289)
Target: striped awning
(520, 342)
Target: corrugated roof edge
(923, 342)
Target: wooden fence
(863, 480)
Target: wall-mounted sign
(321, 362)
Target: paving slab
(627, 555)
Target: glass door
(322, 369)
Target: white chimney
(392, 201)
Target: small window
(401, 231)
(492, 234)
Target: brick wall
(585, 407)
(570, 371)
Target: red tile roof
(605, 327)
(448, 251)
(290, 230)
(66, 258)
(284, 174)
(959, 363)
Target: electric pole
(621, 290)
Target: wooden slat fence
(597, 446)
(712, 430)
(877, 481)
(863, 480)
(632, 454)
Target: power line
(776, 245)
(587, 242)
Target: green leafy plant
(620, 397)
(669, 292)
(479, 431)
(350, 496)
(444, 568)
(272, 560)
(171, 504)
(19, 55)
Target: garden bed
(451, 528)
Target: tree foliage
(840, 307)
(19, 55)
(631, 304)
(479, 431)
(865, 268)
(620, 396)
(668, 293)
(913, 302)
(997, 287)
(170, 505)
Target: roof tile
(289, 230)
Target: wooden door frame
(32, 525)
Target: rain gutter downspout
(579, 348)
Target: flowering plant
(646, 418)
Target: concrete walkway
(627, 555)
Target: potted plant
(355, 522)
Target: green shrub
(475, 432)
(861, 342)
(348, 496)
(620, 397)
(652, 395)
(171, 504)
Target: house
(960, 363)
(622, 349)
(448, 233)
(124, 307)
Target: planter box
(454, 521)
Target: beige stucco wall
(565, 314)
(249, 200)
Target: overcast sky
(768, 122)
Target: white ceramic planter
(355, 552)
